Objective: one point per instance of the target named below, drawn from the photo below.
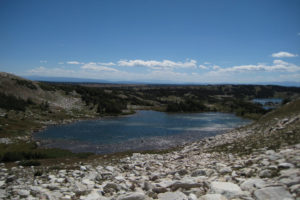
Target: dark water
(142, 131)
(268, 103)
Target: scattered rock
(191, 172)
(265, 173)
(132, 196)
(227, 189)
(273, 193)
(212, 197)
(253, 184)
(285, 166)
(199, 172)
(172, 196)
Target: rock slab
(273, 193)
(227, 189)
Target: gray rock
(289, 181)
(295, 189)
(266, 173)
(227, 189)
(5, 141)
(23, 193)
(285, 166)
(225, 170)
(159, 190)
(273, 193)
(132, 196)
(2, 183)
(110, 188)
(213, 197)
(184, 185)
(3, 194)
(106, 175)
(154, 177)
(270, 152)
(10, 179)
(94, 195)
(198, 172)
(248, 172)
(151, 194)
(147, 186)
(182, 172)
(172, 196)
(253, 183)
(192, 197)
(110, 168)
(289, 172)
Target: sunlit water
(144, 130)
(265, 102)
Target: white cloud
(73, 63)
(106, 64)
(278, 65)
(209, 66)
(216, 67)
(61, 63)
(95, 67)
(37, 70)
(43, 71)
(299, 34)
(153, 64)
(283, 54)
(203, 67)
(171, 71)
(43, 61)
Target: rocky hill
(26, 106)
(26, 89)
(260, 161)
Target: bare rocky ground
(211, 169)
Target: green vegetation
(28, 152)
(27, 163)
(26, 83)
(44, 106)
(107, 102)
(266, 135)
(242, 108)
(188, 105)
(112, 100)
(10, 102)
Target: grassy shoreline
(29, 150)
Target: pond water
(268, 103)
(144, 130)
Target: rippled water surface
(142, 131)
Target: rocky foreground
(197, 171)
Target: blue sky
(211, 41)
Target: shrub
(26, 83)
(10, 102)
(27, 163)
(12, 156)
(38, 173)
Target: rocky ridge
(197, 171)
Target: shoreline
(197, 171)
(138, 144)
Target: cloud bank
(187, 71)
(153, 64)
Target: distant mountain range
(86, 80)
